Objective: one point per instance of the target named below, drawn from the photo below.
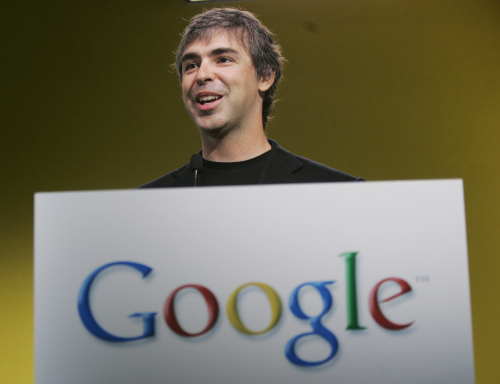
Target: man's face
(220, 87)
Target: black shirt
(237, 173)
(281, 167)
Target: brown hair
(263, 49)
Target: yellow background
(383, 89)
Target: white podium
(318, 283)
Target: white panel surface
(283, 236)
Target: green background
(382, 89)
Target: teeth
(208, 99)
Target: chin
(212, 130)
(212, 127)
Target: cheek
(186, 87)
(185, 98)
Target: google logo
(232, 312)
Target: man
(229, 66)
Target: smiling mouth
(208, 99)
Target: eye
(224, 60)
(190, 66)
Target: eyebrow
(214, 52)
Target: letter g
(86, 314)
(318, 329)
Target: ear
(266, 82)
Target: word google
(318, 329)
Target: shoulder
(304, 170)
(179, 178)
(319, 172)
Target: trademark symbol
(423, 279)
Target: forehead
(218, 39)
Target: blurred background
(382, 89)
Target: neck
(232, 148)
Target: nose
(205, 73)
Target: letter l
(351, 292)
